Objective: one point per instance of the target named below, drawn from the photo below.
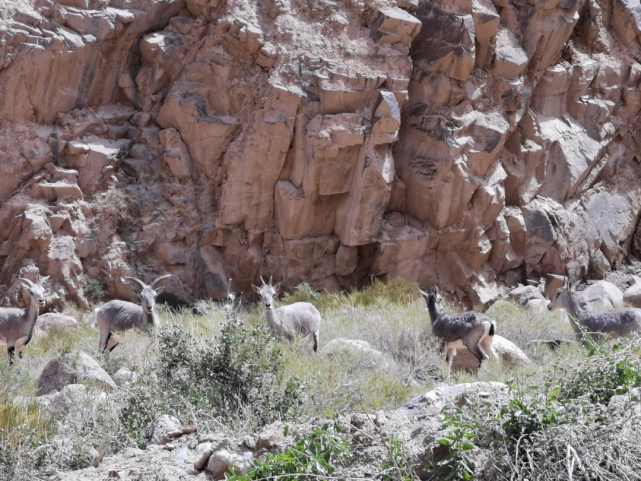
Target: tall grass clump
(24, 429)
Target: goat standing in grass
(16, 325)
(116, 315)
(472, 330)
(615, 322)
(300, 318)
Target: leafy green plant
(458, 443)
(317, 455)
(528, 414)
(604, 373)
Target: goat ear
(256, 289)
(424, 294)
(276, 287)
(158, 290)
(43, 280)
(25, 285)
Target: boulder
(222, 462)
(360, 350)
(124, 376)
(524, 294)
(72, 369)
(203, 452)
(163, 427)
(271, 438)
(632, 296)
(55, 321)
(456, 393)
(537, 305)
(600, 295)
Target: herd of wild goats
(471, 330)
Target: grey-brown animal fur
(599, 325)
(16, 325)
(298, 319)
(470, 329)
(116, 315)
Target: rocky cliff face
(466, 143)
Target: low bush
(561, 429)
(318, 455)
(240, 375)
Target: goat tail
(492, 328)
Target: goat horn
(262, 280)
(270, 280)
(31, 284)
(137, 281)
(158, 279)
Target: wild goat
(116, 315)
(615, 322)
(472, 330)
(16, 325)
(299, 318)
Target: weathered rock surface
(469, 144)
(55, 321)
(525, 294)
(600, 295)
(163, 428)
(124, 376)
(632, 295)
(458, 392)
(72, 369)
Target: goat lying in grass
(116, 315)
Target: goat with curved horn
(117, 315)
(17, 325)
(472, 330)
(297, 319)
(158, 279)
(598, 325)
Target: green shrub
(604, 373)
(241, 375)
(315, 456)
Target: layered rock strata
(469, 144)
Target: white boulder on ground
(600, 295)
(164, 427)
(632, 295)
(223, 461)
(449, 394)
(525, 294)
(54, 320)
(73, 369)
(71, 399)
(363, 349)
(124, 376)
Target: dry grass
(391, 318)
